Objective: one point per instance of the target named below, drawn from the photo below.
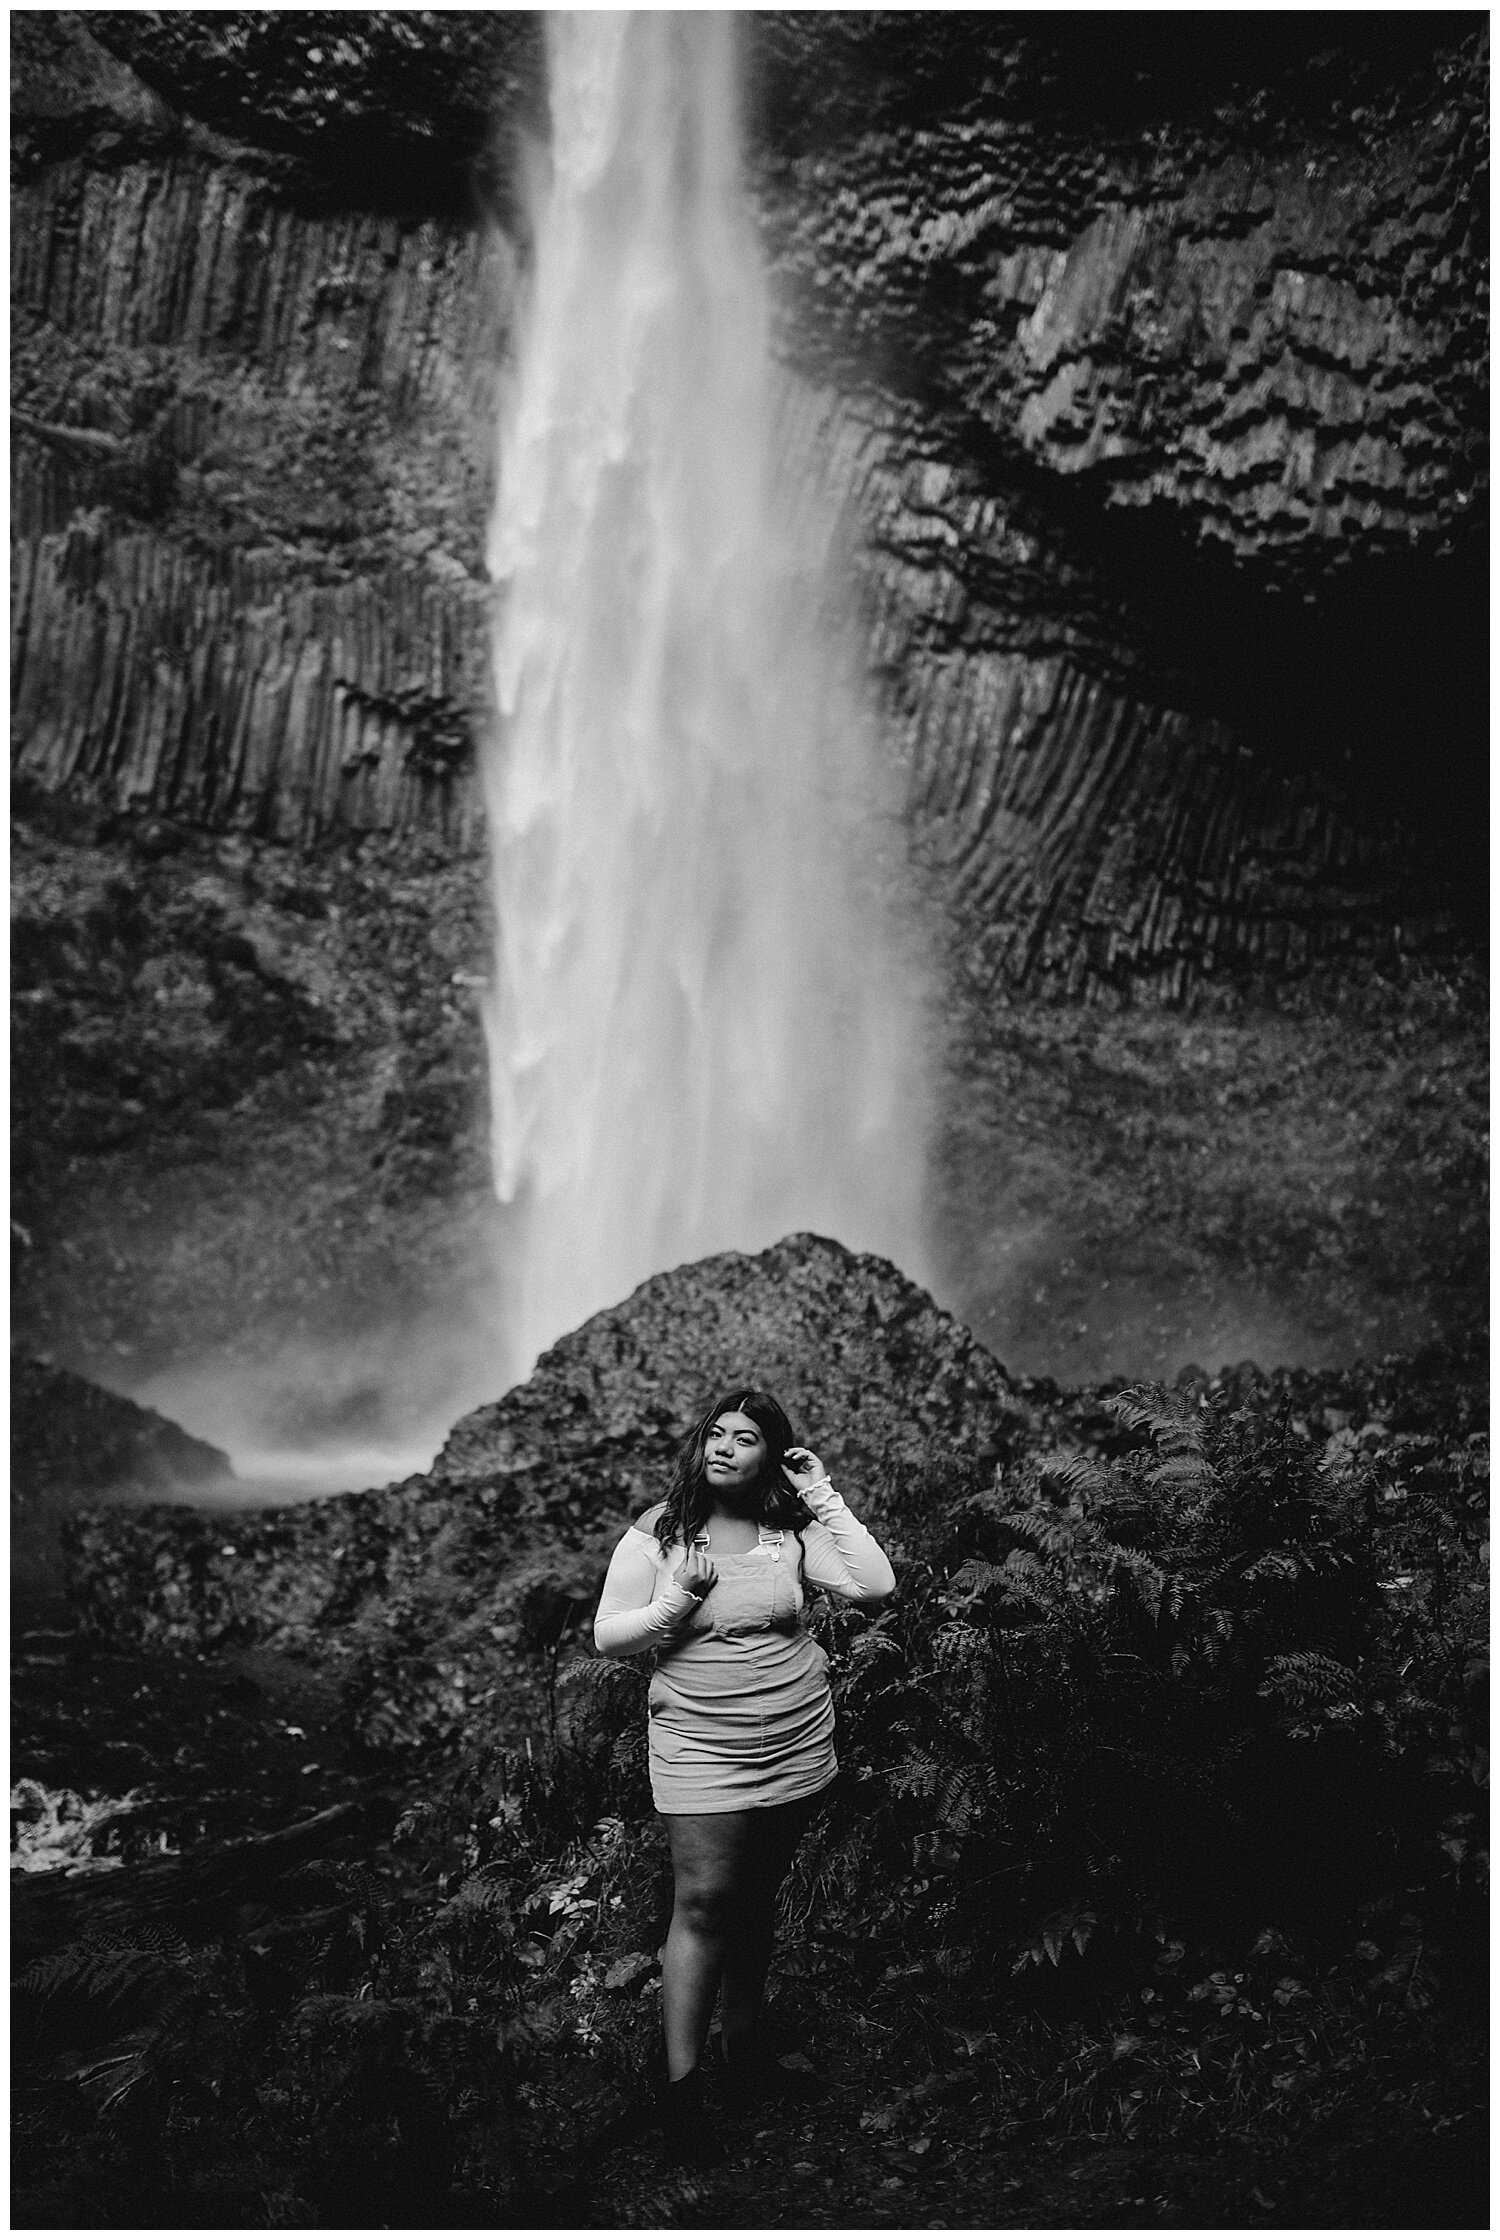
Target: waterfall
(704, 1025)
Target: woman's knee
(712, 1857)
(704, 1903)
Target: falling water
(703, 1026)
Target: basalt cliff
(1144, 362)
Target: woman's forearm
(634, 1612)
(846, 1557)
(624, 1633)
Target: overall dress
(740, 1709)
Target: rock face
(1270, 324)
(72, 1445)
(868, 1367)
(427, 1595)
(1094, 829)
(1145, 363)
(250, 469)
(1113, 390)
(1158, 404)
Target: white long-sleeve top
(643, 1606)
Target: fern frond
(669, 2205)
(1025, 1595)
(1308, 1681)
(916, 1777)
(1079, 1476)
(1191, 1472)
(956, 1645)
(144, 1936)
(1052, 1534)
(102, 1973)
(590, 1672)
(170, 2044)
(453, 2047)
(962, 1797)
(481, 1897)
(1071, 1926)
(1148, 1579)
(975, 1577)
(1176, 1426)
(872, 1644)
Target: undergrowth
(1158, 1819)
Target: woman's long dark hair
(689, 1499)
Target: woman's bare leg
(746, 1963)
(711, 1854)
(727, 1868)
(747, 1955)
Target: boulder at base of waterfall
(435, 1596)
(869, 1367)
(72, 1444)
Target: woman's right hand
(696, 1573)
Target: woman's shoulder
(647, 1521)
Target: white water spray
(703, 1029)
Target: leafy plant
(1157, 1819)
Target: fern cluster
(1226, 1672)
(1179, 1724)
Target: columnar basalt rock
(1288, 350)
(1165, 411)
(234, 698)
(253, 457)
(250, 482)
(1091, 826)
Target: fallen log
(200, 1891)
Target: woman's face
(735, 1455)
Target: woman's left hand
(802, 1467)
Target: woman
(715, 1579)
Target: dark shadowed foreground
(1150, 1892)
